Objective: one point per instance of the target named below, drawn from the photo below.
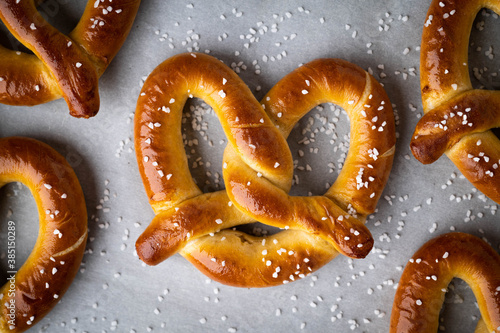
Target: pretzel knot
(52, 265)
(420, 293)
(457, 118)
(62, 66)
(258, 170)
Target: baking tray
(262, 41)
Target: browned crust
(257, 170)
(422, 286)
(474, 111)
(63, 66)
(444, 48)
(447, 91)
(238, 259)
(55, 259)
(478, 158)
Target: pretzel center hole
(319, 143)
(204, 143)
(17, 205)
(458, 297)
(484, 43)
(61, 14)
(496, 131)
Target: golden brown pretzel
(257, 170)
(62, 66)
(457, 118)
(422, 287)
(47, 273)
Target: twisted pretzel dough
(421, 290)
(257, 170)
(58, 252)
(62, 66)
(457, 118)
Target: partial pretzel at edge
(457, 118)
(62, 66)
(422, 287)
(55, 259)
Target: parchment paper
(262, 40)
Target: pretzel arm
(474, 111)
(371, 152)
(238, 259)
(172, 229)
(444, 70)
(102, 30)
(25, 78)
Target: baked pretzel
(62, 66)
(258, 169)
(421, 290)
(457, 118)
(47, 273)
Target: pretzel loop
(257, 170)
(57, 254)
(420, 293)
(457, 118)
(63, 66)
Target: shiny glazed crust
(421, 290)
(457, 118)
(57, 254)
(257, 170)
(62, 66)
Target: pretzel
(421, 290)
(62, 66)
(258, 169)
(457, 118)
(47, 273)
